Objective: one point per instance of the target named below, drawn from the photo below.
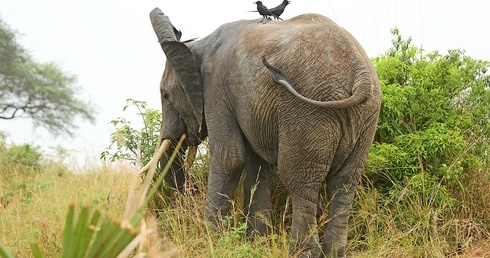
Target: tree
(39, 91)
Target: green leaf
(68, 241)
(36, 251)
(81, 232)
(5, 253)
(108, 231)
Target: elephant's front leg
(227, 160)
(257, 190)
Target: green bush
(134, 145)
(24, 158)
(424, 171)
(434, 117)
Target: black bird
(263, 10)
(278, 10)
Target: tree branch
(12, 116)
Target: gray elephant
(300, 95)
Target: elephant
(298, 96)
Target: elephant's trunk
(177, 177)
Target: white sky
(112, 49)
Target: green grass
(34, 206)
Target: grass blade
(125, 238)
(107, 229)
(68, 247)
(112, 241)
(83, 246)
(126, 252)
(36, 251)
(5, 253)
(80, 236)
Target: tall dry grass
(34, 206)
(412, 227)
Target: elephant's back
(316, 54)
(275, 36)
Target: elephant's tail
(361, 88)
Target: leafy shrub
(134, 145)
(424, 171)
(434, 116)
(24, 158)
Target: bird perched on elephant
(263, 10)
(299, 95)
(278, 10)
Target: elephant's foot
(336, 250)
(310, 250)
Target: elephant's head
(181, 95)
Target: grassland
(34, 206)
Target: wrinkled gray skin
(218, 87)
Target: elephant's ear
(163, 27)
(181, 58)
(182, 61)
(178, 34)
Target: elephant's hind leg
(341, 195)
(257, 190)
(341, 188)
(304, 225)
(303, 184)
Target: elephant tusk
(133, 204)
(156, 157)
(191, 156)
